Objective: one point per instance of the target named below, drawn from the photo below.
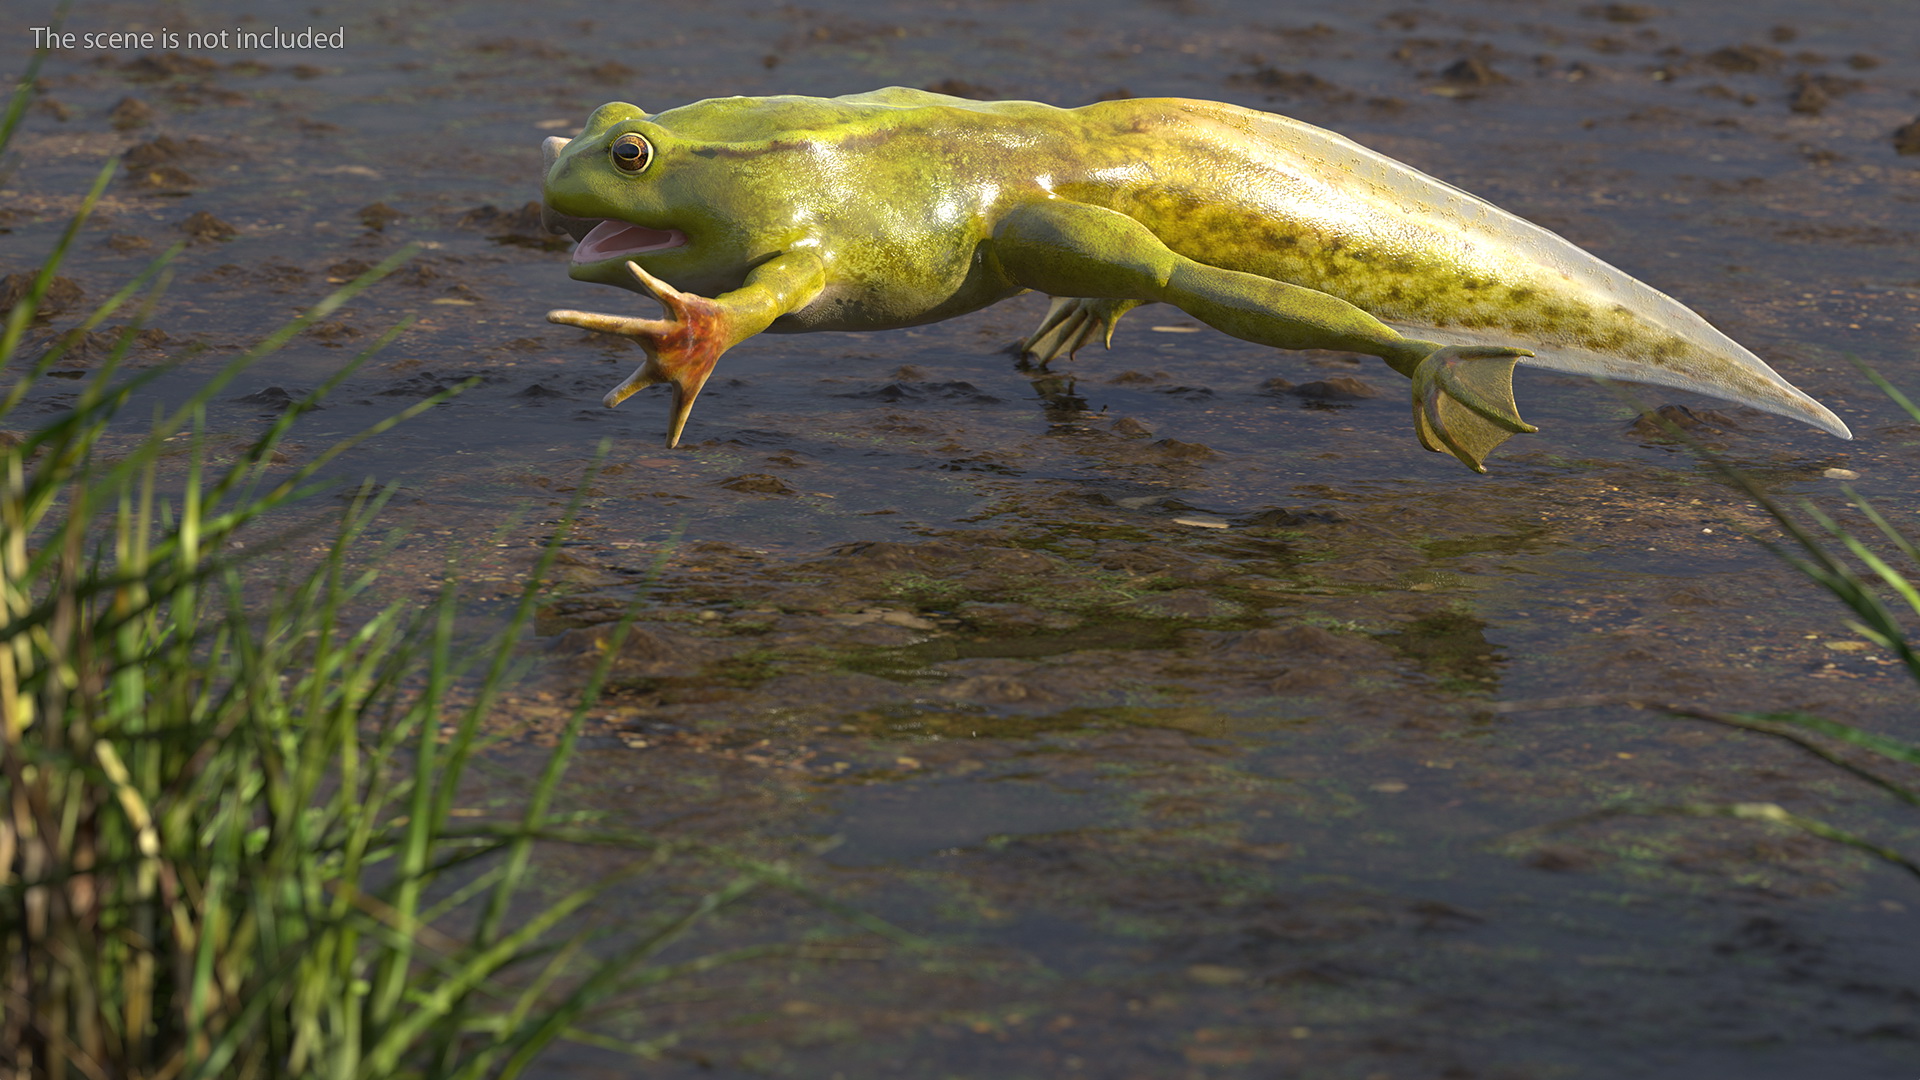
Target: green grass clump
(230, 839)
(1877, 579)
(1874, 578)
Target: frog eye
(631, 153)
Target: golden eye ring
(631, 153)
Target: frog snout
(554, 221)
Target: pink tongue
(613, 239)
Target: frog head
(628, 189)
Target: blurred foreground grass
(229, 839)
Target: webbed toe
(681, 349)
(1072, 323)
(1463, 401)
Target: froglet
(900, 207)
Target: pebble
(1841, 474)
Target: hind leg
(1463, 398)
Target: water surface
(1210, 728)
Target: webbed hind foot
(1463, 401)
(1073, 322)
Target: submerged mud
(1201, 722)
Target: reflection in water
(1452, 647)
(1056, 392)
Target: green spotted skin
(906, 197)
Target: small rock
(156, 163)
(1465, 78)
(130, 113)
(524, 222)
(273, 397)
(1279, 517)
(963, 89)
(166, 178)
(1807, 97)
(645, 651)
(1185, 451)
(84, 345)
(607, 71)
(758, 484)
(167, 65)
(1290, 83)
(1840, 474)
(204, 228)
(1128, 426)
(1907, 139)
(61, 294)
(1560, 859)
(1338, 388)
(377, 216)
(1741, 59)
(1811, 93)
(335, 333)
(1620, 13)
(1472, 71)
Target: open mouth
(618, 240)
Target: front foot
(1073, 322)
(681, 349)
(1463, 401)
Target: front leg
(682, 348)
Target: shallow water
(1211, 729)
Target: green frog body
(900, 207)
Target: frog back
(896, 189)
